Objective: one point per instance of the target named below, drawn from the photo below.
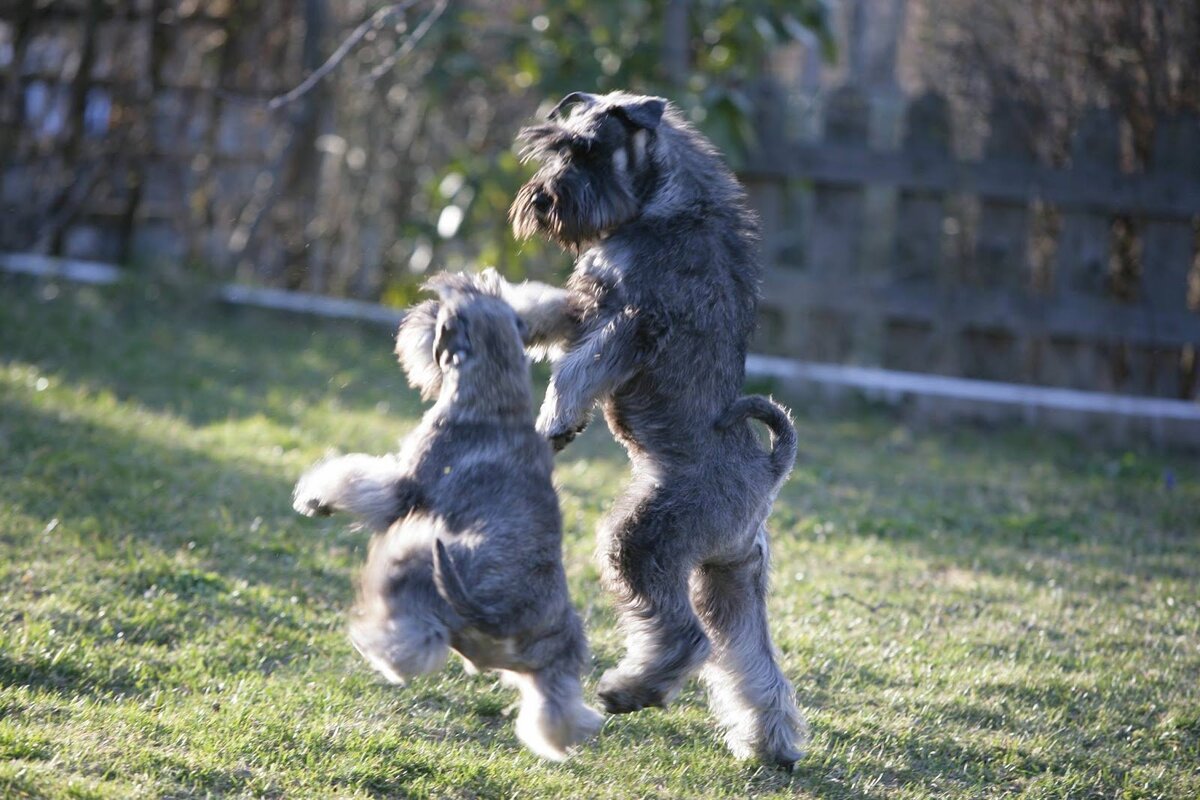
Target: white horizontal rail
(71, 269)
(305, 303)
(895, 385)
(872, 381)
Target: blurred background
(1007, 191)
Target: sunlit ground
(965, 613)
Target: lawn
(964, 612)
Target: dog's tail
(778, 422)
(450, 586)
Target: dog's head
(474, 325)
(477, 343)
(596, 167)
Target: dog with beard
(653, 326)
(468, 547)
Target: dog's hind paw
(619, 695)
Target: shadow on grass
(160, 532)
(106, 486)
(137, 501)
(64, 677)
(198, 361)
(925, 756)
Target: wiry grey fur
(653, 326)
(469, 547)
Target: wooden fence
(122, 135)
(1081, 277)
(115, 142)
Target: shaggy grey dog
(654, 325)
(469, 551)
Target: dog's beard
(526, 221)
(578, 213)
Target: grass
(965, 613)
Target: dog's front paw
(308, 501)
(561, 439)
(311, 506)
(561, 433)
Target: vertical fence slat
(1001, 253)
(1081, 261)
(917, 258)
(766, 192)
(1167, 253)
(835, 231)
(838, 215)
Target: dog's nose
(541, 202)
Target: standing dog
(653, 325)
(469, 554)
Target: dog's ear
(414, 347)
(570, 100)
(642, 112)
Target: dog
(653, 325)
(468, 551)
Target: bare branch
(70, 202)
(373, 23)
(407, 46)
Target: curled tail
(777, 419)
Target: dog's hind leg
(553, 716)
(752, 698)
(398, 623)
(645, 562)
(403, 646)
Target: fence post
(1001, 252)
(1167, 255)
(917, 259)
(1081, 263)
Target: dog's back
(489, 504)
(476, 564)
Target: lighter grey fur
(468, 546)
(653, 327)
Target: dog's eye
(577, 147)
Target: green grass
(965, 613)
